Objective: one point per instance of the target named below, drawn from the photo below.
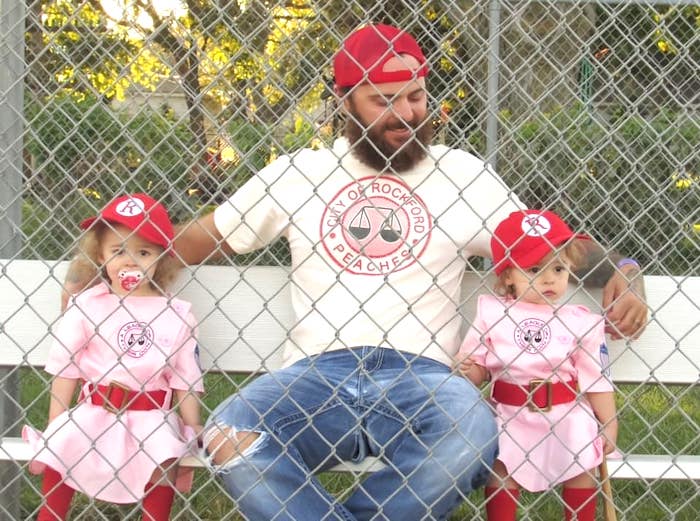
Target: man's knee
(224, 445)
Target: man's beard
(374, 151)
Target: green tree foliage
(618, 179)
(74, 47)
(83, 153)
(647, 56)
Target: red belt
(115, 398)
(539, 395)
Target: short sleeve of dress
(185, 371)
(476, 342)
(591, 359)
(71, 336)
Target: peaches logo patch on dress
(135, 338)
(375, 226)
(532, 335)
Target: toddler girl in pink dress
(132, 351)
(548, 363)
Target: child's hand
(470, 370)
(465, 366)
(609, 434)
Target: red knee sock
(579, 503)
(501, 503)
(57, 497)
(158, 502)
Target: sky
(115, 9)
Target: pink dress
(517, 342)
(142, 343)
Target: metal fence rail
(591, 108)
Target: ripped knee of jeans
(226, 446)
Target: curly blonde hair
(87, 265)
(573, 250)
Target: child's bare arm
(603, 405)
(62, 390)
(188, 403)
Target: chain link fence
(587, 108)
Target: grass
(653, 419)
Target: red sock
(158, 502)
(579, 503)
(57, 497)
(501, 503)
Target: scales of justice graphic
(360, 226)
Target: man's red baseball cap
(141, 213)
(365, 52)
(526, 237)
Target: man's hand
(625, 305)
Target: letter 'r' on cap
(365, 53)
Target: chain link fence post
(12, 13)
(493, 72)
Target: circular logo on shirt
(532, 335)
(135, 338)
(130, 207)
(375, 226)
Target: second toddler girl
(548, 362)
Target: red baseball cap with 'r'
(141, 213)
(366, 51)
(526, 237)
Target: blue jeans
(433, 431)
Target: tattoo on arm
(597, 266)
(75, 272)
(81, 273)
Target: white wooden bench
(245, 313)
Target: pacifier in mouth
(130, 279)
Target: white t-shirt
(377, 259)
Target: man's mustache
(403, 125)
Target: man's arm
(81, 273)
(199, 241)
(624, 297)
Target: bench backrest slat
(245, 314)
